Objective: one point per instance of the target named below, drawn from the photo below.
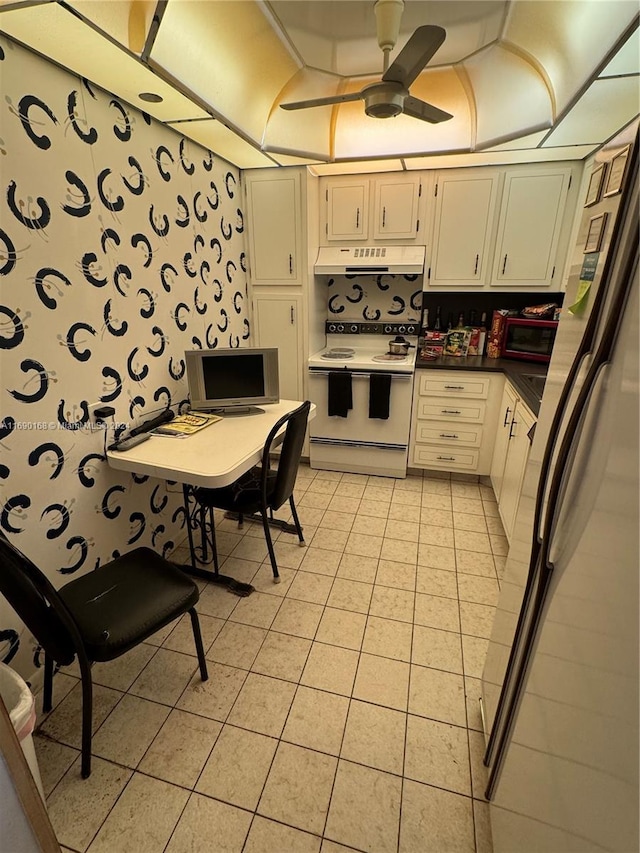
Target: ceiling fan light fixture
(388, 14)
(384, 100)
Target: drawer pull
(454, 387)
(448, 435)
(451, 412)
(446, 458)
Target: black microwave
(529, 340)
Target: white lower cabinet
(511, 453)
(454, 419)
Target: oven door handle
(315, 371)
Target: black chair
(263, 489)
(98, 616)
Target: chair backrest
(290, 453)
(35, 601)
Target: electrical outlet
(96, 407)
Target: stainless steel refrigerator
(560, 684)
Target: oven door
(358, 443)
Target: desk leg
(197, 518)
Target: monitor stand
(239, 410)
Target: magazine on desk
(187, 424)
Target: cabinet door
(507, 410)
(517, 455)
(396, 209)
(275, 223)
(278, 323)
(348, 211)
(531, 216)
(464, 225)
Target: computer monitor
(234, 381)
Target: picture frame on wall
(595, 233)
(595, 184)
(617, 170)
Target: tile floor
(341, 712)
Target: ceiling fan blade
(416, 108)
(322, 102)
(414, 56)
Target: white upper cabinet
(275, 226)
(396, 208)
(529, 227)
(381, 208)
(465, 207)
(347, 210)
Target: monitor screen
(232, 379)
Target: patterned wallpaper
(374, 297)
(121, 245)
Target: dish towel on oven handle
(340, 393)
(379, 394)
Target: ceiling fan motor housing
(384, 100)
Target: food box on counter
(433, 345)
(457, 342)
(494, 345)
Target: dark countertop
(513, 370)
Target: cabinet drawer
(443, 409)
(459, 386)
(445, 458)
(449, 434)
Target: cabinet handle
(292, 315)
(448, 435)
(504, 264)
(506, 417)
(357, 217)
(451, 412)
(290, 264)
(513, 423)
(384, 216)
(454, 387)
(475, 269)
(447, 458)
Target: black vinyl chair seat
(98, 616)
(264, 488)
(113, 608)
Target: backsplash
(374, 297)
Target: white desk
(212, 458)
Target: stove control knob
(339, 328)
(332, 327)
(354, 328)
(388, 330)
(402, 329)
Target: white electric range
(363, 398)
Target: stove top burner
(339, 352)
(389, 356)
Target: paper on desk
(185, 425)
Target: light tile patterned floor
(341, 712)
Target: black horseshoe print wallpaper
(390, 297)
(121, 246)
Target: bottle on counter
(473, 315)
(482, 344)
(425, 320)
(437, 323)
(450, 321)
(460, 320)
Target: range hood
(350, 260)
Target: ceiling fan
(390, 96)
